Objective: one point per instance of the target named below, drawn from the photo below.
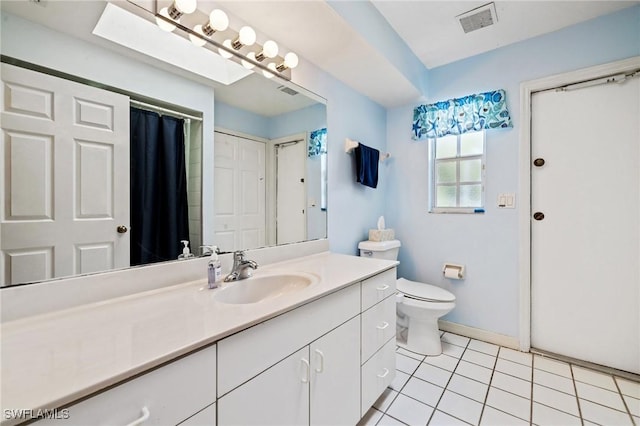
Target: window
(457, 173)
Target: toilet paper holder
(453, 271)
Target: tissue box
(381, 234)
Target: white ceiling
(318, 33)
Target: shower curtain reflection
(159, 209)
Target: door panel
(585, 279)
(65, 160)
(290, 193)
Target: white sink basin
(263, 287)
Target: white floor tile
(479, 358)
(406, 364)
(455, 339)
(460, 407)
(552, 366)
(511, 384)
(474, 371)
(385, 399)
(443, 361)
(468, 387)
(627, 387)
(452, 350)
(410, 411)
(514, 369)
(432, 374)
(633, 405)
(516, 356)
(600, 396)
(370, 418)
(594, 378)
(389, 421)
(493, 417)
(509, 403)
(443, 419)
(603, 415)
(558, 400)
(425, 392)
(484, 347)
(410, 354)
(553, 381)
(399, 381)
(547, 416)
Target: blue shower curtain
(159, 210)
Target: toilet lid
(424, 291)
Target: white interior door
(585, 268)
(239, 194)
(290, 192)
(65, 177)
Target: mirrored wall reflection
(225, 130)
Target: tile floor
(478, 383)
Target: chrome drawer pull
(384, 374)
(145, 416)
(383, 325)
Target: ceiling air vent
(287, 90)
(477, 18)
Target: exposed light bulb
(290, 61)
(164, 25)
(195, 39)
(248, 65)
(269, 50)
(246, 37)
(186, 6)
(224, 53)
(271, 66)
(218, 20)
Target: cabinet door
(278, 396)
(335, 376)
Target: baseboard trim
(479, 334)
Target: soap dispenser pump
(186, 254)
(214, 269)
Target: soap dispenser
(214, 268)
(186, 254)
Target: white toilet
(419, 305)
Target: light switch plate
(507, 200)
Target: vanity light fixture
(290, 61)
(181, 7)
(164, 24)
(271, 66)
(248, 65)
(218, 21)
(269, 50)
(246, 37)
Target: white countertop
(52, 359)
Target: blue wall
(487, 244)
(232, 118)
(307, 119)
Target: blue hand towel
(367, 165)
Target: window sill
(471, 210)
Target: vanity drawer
(378, 288)
(248, 353)
(171, 394)
(378, 326)
(377, 374)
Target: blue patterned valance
(318, 142)
(461, 115)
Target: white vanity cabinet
(170, 394)
(378, 336)
(265, 383)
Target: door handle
(121, 229)
(307, 367)
(538, 162)
(538, 215)
(320, 367)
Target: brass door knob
(121, 229)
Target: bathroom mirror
(276, 123)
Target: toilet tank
(380, 249)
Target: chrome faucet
(242, 268)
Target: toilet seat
(424, 292)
